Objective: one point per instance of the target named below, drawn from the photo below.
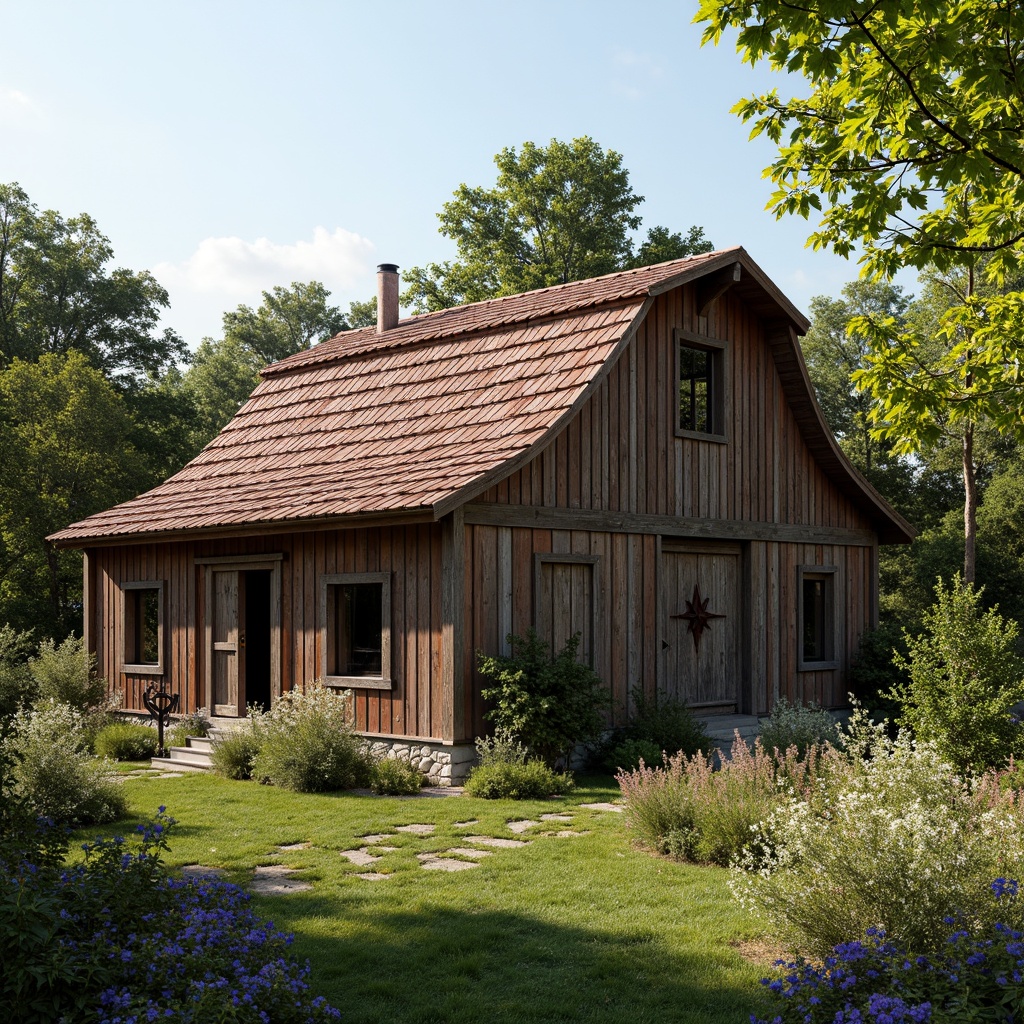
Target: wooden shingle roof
(414, 419)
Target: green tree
(362, 314)
(67, 454)
(57, 295)
(909, 145)
(557, 213)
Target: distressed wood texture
(621, 453)
(413, 556)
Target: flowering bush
(195, 723)
(690, 810)
(798, 725)
(306, 743)
(55, 771)
(891, 837)
(972, 976)
(114, 940)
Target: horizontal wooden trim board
(549, 518)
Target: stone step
(194, 756)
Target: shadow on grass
(459, 967)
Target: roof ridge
(441, 323)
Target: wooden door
(227, 647)
(701, 612)
(564, 593)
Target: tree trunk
(970, 505)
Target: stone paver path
(361, 858)
(505, 844)
(373, 876)
(419, 830)
(556, 817)
(521, 826)
(618, 808)
(294, 847)
(436, 862)
(378, 837)
(276, 880)
(198, 872)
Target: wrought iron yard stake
(161, 705)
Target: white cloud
(17, 108)
(223, 272)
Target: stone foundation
(442, 764)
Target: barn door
(700, 611)
(227, 646)
(564, 595)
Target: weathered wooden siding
(412, 554)
(621, 453)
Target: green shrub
(195, 723)
(798, 725)
(65, 673)
(965, 678)
(391, 776)
(628, 753)
(892, 836)
(507, 772)
(17, 687)
(54, 770)
(873, 675)
(668, 724)
(688, 810)
(124, 741)
(234, 753)
(307, 744)
(548, 704)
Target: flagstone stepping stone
(556, 817)
(378, 837)
(465, 851)
(569, 834)
(275, 880)
(434, 862)
(167, 775)
(373, 876)
(198, 872)
(521, 826)
(361, 858)
(293, 847)
(505, 844)
(465, 824)
(419, 830)
(603, 807)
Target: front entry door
(700, 625)
(227, 654)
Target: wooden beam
(711, 288)
(453, 602)
(548, 518)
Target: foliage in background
(195, 723)
(548, 704)
(16, 684)
(798, 725)
(307, 743)
(506, 771)
(965, 677)
(65, 673)
(557, 213)
(628, 754)
(892, 836)
(689, 810)
(56, 772)
(668, 723)
(873, 980)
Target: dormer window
(700, 376)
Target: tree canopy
(557, 213)
(911, 139)
(57, 295)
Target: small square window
(143, 619)
(356, 610)
(700, 376)
(817, 617)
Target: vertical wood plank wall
(620, 453)
(412, 554)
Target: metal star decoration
(697, 616)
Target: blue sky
(228, 146)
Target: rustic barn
(638, 457)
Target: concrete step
(194, 756)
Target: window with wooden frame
(355, 610)
(142, 616)
(700, 379)
(817, 617)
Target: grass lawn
(564, 929)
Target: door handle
(241, 639)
